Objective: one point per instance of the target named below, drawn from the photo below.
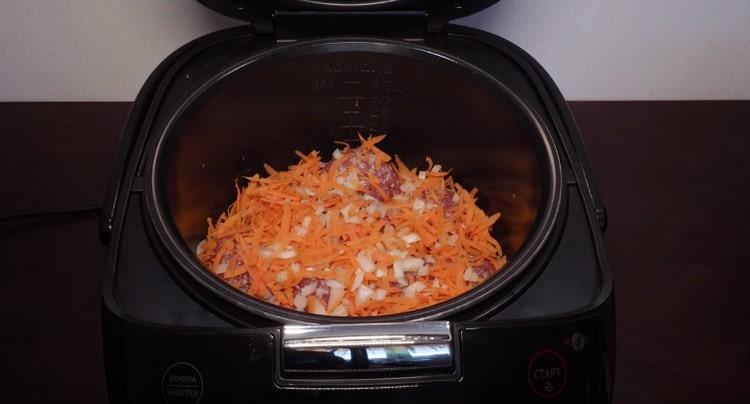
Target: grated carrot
(312, 224)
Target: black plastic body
(153, 320)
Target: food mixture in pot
(359, 235)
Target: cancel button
(547, 374)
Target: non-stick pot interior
(427, 105)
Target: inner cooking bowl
(306, 96)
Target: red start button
(547, 374)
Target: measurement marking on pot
(322, 84)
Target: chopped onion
(418, 204)
(429, 259)
(351, 180)
(334, 284)
(470, 275)
(455, 198)
(411, 264)
(397, 253)
(199, 248)
(335, 297)
(383, 210)
(436, 168)
(389, 228)
(349, 215)
(294, 266)
(452, 239)
(339, 311)
(391, 243)
(413, 289)
(380, 294)
(411, 238)
(422, 175)
(380, 273)
(282, 276)
(337, 154)
(222, 267)
(345, 210)
(300, 302)
(365, 262)
(423, 270)
(308, 289)
(287, 253)
(317, 307)
(363, 294)
(300, 231)
(266, 252)
(326, 220)
(408, 187)
(398, 269)
(359, 276)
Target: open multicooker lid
(244, 9)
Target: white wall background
(102, 50)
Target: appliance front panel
(563, 361)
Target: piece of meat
(485, 269)
(389, 180)
(445, 199)
(387, 175)
(449, 205)
(240, 282)
(229, 260)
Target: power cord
(83, 210)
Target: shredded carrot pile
(359, 235)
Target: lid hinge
(436, 22)
(290, 26)
(259, 17)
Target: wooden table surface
(675, 177)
